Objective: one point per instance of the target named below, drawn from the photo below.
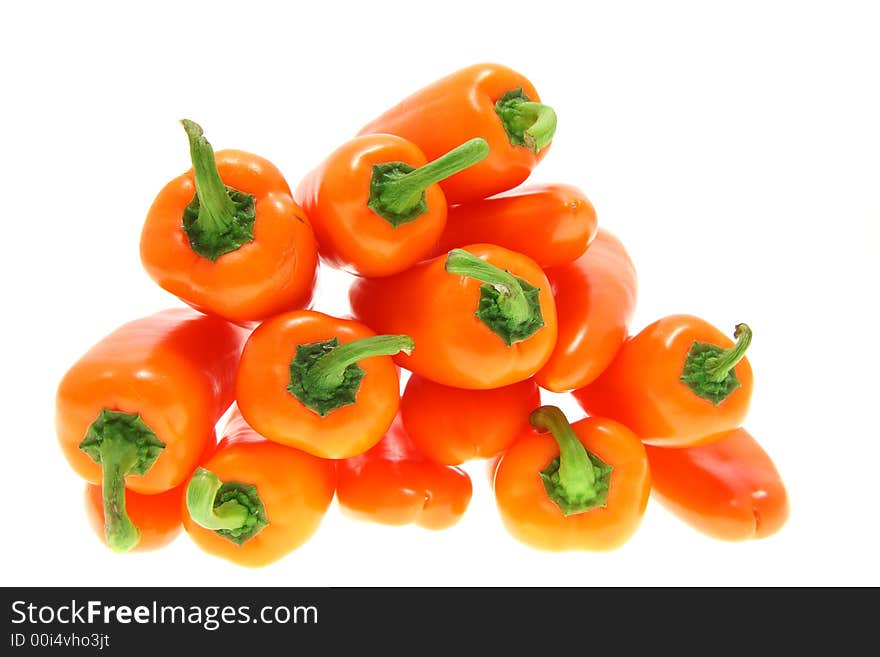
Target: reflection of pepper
(375, 205)
(552, 224)
(394, 484)
(138, 409)
(678, 383)
(453, 425)
(320, 384)
(157, 517)
(728, 489)
(595, 299)
(485, 100)
(581, 486)
(254, 501)
(227, 238)
(481, 317)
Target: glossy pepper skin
(245, 260)
(437, 308)
(728, 489)
(324, 416)
(158, 517)
(454, 425)
(375, 205)
(393, 483)
(595, 299)
(643, 386)
(552, 224)
(138, 410)
(463, 105)
(610, 519)
(254, 501)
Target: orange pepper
(254, 501)
(157, 517)
(680, 382)
(375, 205)
(728, 489)
(453, 425)
(484, 100)
(394, 484)
(138, 409)
(552, 224)
(227, 238)
(582, 486)
(321, 384)
(482, 317)
(595, 299)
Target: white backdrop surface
(732, 147)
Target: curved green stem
(526, 122)
(576, 481)
(219, 219)
(201, 494)
(728, 358)
(397, 190)
(512, 300)
(123, 445)
(509, 305)
(119, 531)
(326, 375)
(709, 370)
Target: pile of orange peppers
(484, 290)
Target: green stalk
(397, 190)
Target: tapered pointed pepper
(158, 518)
(393, 483)
(318, 383)
(254, 501)
(728, 489)
(227, 238)
(138, 409)
(484, 100)
(581, 486)
(680, 382)
(482, 317)
(375, 204)
(595, 299)
(454, 425)
(552, 224)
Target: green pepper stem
(201, 494)
(576, 476)
(513, 302)
(118, 457)
(216, 207)
(526, 122)
(728, 358)
(399, 195)
(328, 371)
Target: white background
(734, 147)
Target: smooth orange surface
(459, 107)
(533, 518)
(552, 224)
(350, 235)
(294, 487)
(642, 389)
(175, 368)
(728, 489)
(394, 484)
(437, 310)
(264, 374)
(272, 273)
(157, 517)
(454, 425)
(595, 300)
